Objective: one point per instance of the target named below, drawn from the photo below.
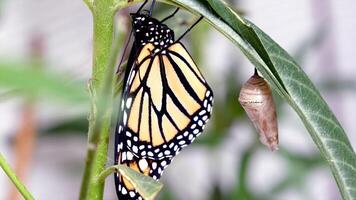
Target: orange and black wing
(165, 105)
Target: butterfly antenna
(143, 4)
(170, 16)
(190, 28)
(152, 6)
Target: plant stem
(101, 86)
(15, 180)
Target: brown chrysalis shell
(257, 101)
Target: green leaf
(25, 79)
(289, 80)
(77, 125)
(146, 186)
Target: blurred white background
(66, 26)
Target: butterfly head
(150, 30)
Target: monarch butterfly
(165, 104)
(256, 99)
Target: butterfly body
(165, 104)
(149, 30)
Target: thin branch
(15, 180)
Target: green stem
(101, 95)
(15, 180)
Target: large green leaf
(26, 79)
(289, 80)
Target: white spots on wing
(205, 103)
(119, 146)
(129, 155)
(123, 156)
(122, 104)
(128, 103)
(209, 108)
(128, 134)
(181, 142)
(134, 149)
(143, 153)
(154, 165)
(132, 194)
(125, 118)
(120, 129)
(202, 112)
(143, 164)
(207, 93)
(205, 118)
(200, 123)
(163, 163)
(124, 191)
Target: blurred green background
(45, 65)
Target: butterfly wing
(165, 105)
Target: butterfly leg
(143, 4)
(170, 16)
(190, 28)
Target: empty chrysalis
(257, 101)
